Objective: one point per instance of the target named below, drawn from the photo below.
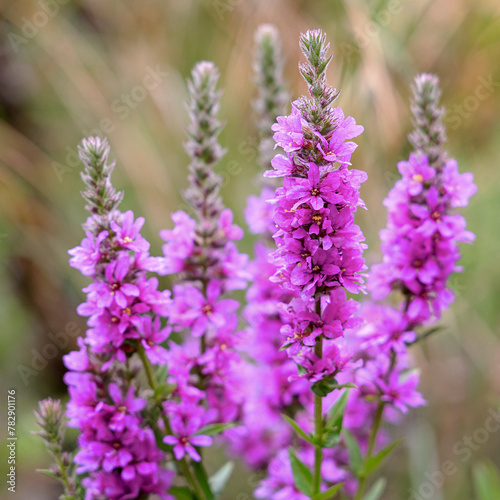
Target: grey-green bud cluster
(429, 134)
(102, 198)
(272, 96)
(203, 146)
(317, 110)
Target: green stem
(64, 474)
(318, 418)
(183, 463)
(371, 446)
(318, 451)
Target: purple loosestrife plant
(207, 366)
(269, 392)
(319, 253)
(117, 451)
(118, 448)
(304, 390)
(420, 247)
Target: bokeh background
(72, 68)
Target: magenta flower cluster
(124, 307)
(200, 251)
(320, 249)
(116, 450)
(312, 213)
(208, 357)
(159, 374)
(122, 300)
(420, 241)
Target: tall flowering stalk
(319, 253)
(52, 422)
(117, 451)
(420, 247)
(420, 243)
(156, 377)
(206, 367)
(272, 96)
(268, 391)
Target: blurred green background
(69, 68)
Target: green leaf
(213, 429)
(219, 480)
(328, 494)
(159, 435)
(331, 437)
(337, 411)
(323, 387)
(202, 477)
(49, 473)
(302, 476)
(181, 493)
(487, 481)
(376, 490)
(163, 391)
(298, 430)
(354, 453)
(373, 462)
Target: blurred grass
(66, 79)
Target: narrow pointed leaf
(213, 429)
(331, 437)
(49, 473)
(202, 478)
(302, 476)
(329, 493)
(325, 386)
(376, 490)
(376, 460)
(298, 430)
(354, 453)
(164, 390)
(219, 480)
(181, 493)
(337, 411)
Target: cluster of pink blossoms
(206, 366)
(420, 247)
(124, 306)
(319, 246)
(319, 253)
(122, 300)
(117, 451)
(420, 241)
(320, 249)
(305, 340)
(420, 252)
